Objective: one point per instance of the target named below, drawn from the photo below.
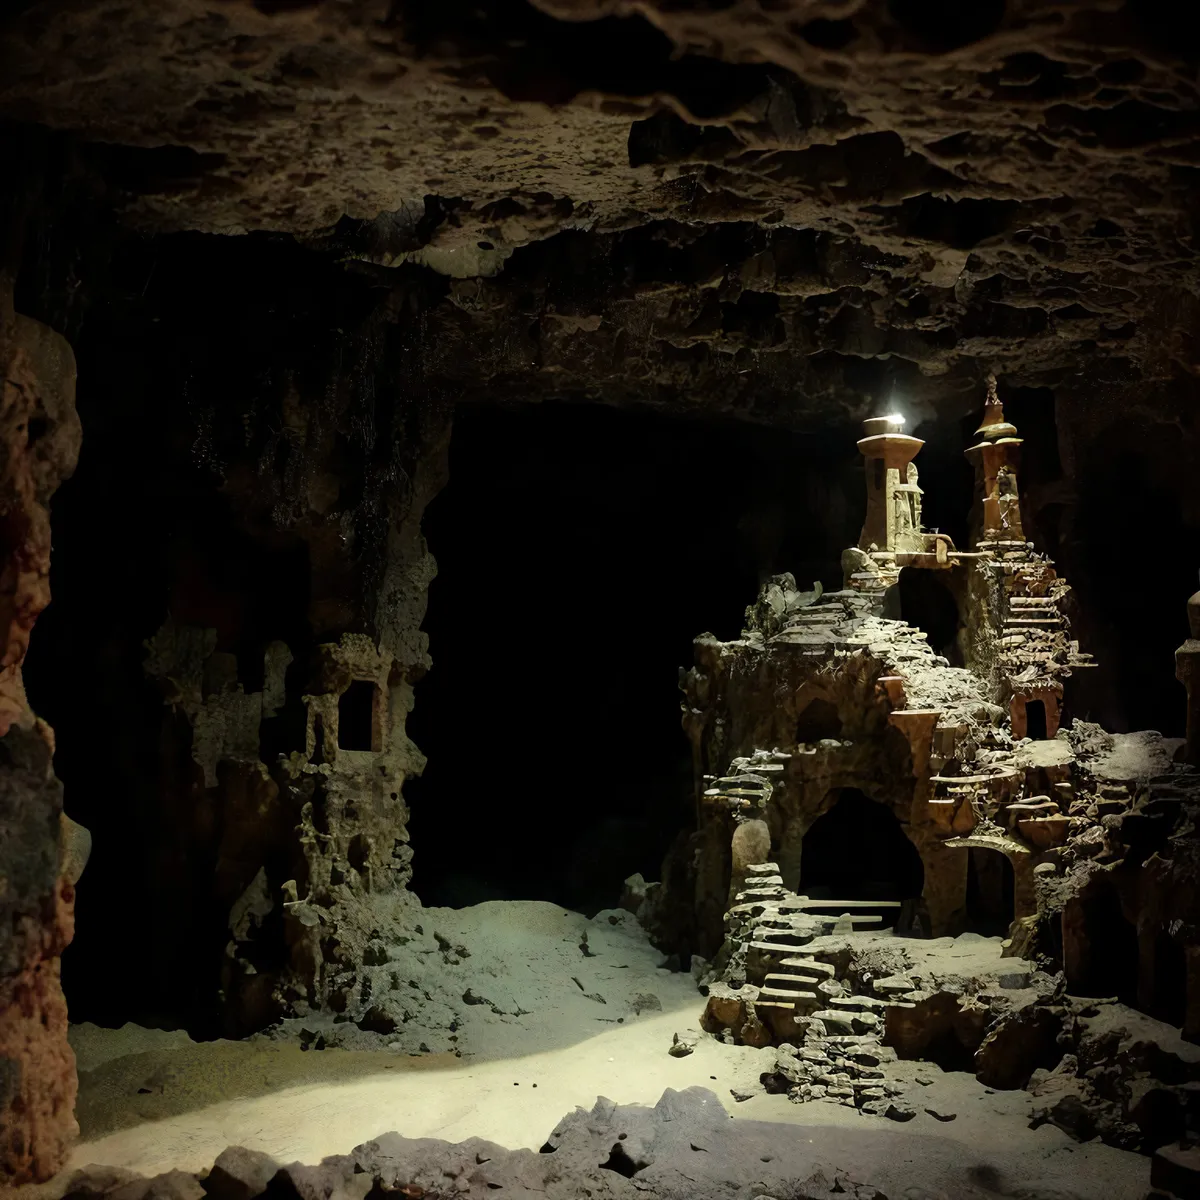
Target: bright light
(894, 419)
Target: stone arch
(855, 847)
(1024, 902)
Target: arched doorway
(926, 602)
(990, 884)
(858, 850)
(818, 719)
(1035, 720)
(1100, 945)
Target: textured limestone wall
(40, 853)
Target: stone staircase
(782, 974)
(775, 925)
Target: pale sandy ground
(153, 1101)
(518, 1102)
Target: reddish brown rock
(39, 441)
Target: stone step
(809, 966)
(762, 893)
(783, 948)
(852, 923)
(867, 1003)
(804, 904)
(763, 908)
(764, 881)
(782, 924)
(781, 995)
(766, 868)
(779, 1006)
(789, 983)
(837, 1020)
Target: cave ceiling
(771, 208)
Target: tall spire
(995, 458)
(993, 427)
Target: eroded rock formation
(41, 853)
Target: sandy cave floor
(587, 1025)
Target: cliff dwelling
(601, 600)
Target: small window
(356, 716)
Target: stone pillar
(889, 454)
(40, 853)
(945, 892)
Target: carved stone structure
(828, 698)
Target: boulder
(240, 1174)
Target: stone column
(40, 852)
(889, 454)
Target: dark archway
(356, 716)
(858, 850)
(926, 602)
(818, 719)
(1107, 959)
(1035, 720)
(990, 905)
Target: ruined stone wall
(308, 834)
(41, 853)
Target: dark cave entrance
(926, 601)
(580, 549)
(819, 719)
(990, 905)
(858, 850)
